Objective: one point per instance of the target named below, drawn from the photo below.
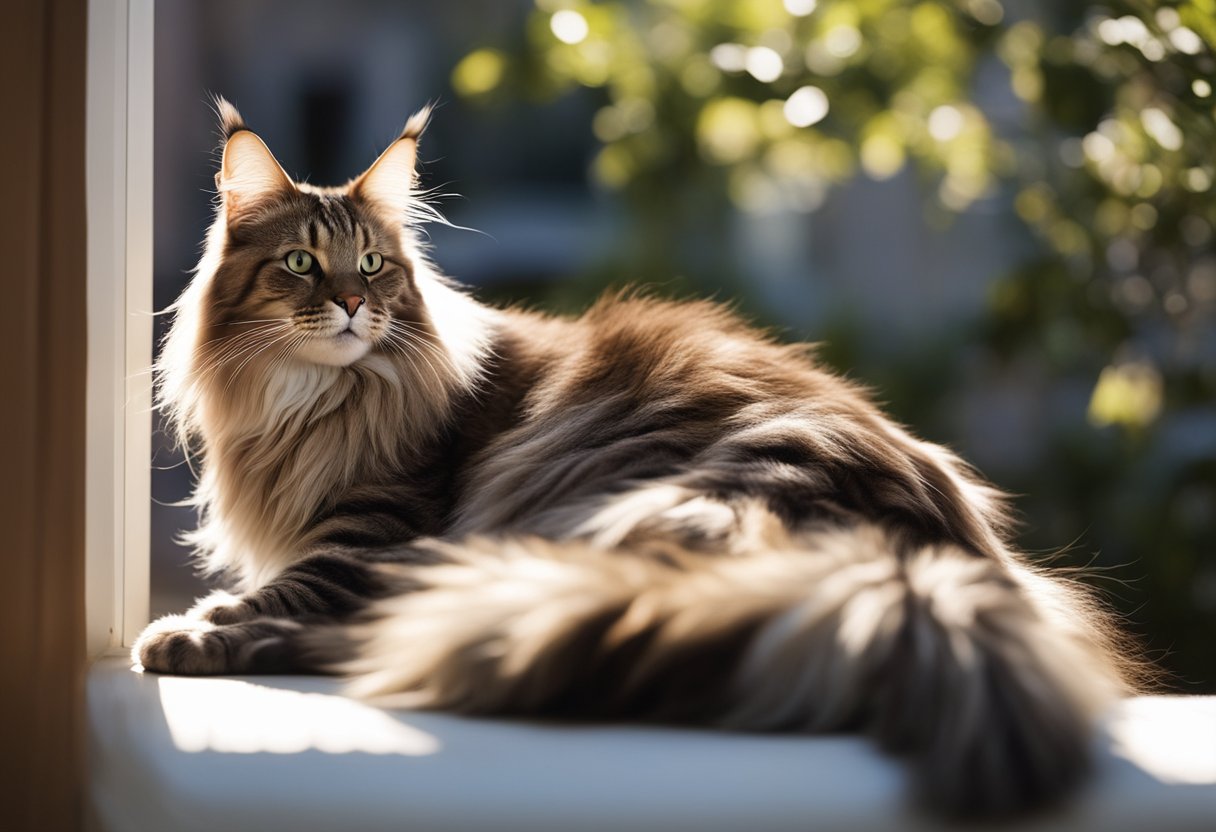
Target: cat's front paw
(221, 608)
(181, 645)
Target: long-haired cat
(649, 512)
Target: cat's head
(303, 286)
(324, 270)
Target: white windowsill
(268, 753)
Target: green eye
(299, 261)
(370, 263)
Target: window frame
(119, 211)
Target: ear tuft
(230, 119)
(417, 123)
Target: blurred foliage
(713, 106)
(786, 98)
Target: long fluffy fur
(652, 511)
(936, 653)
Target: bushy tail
(988, 682)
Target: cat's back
(641, 350)
(635, 389)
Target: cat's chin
(340, 350)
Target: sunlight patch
(1172, 739)
(235, 717)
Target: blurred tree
(768, 102)
(1115, 174)
(712, 106)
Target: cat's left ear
(389, 182)
(249, 175)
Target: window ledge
(258, 753)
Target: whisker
(259, 326)
(278, 339)
(257, 321)
(286, 351)
(415, 353)
(416, 336)
(239, 346)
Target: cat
(652, 511)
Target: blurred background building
(997, 213)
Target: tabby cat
(649, 512)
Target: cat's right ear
(249, 175)
(390, 180)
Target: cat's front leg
(327, 584)
(187, 646)
(258, 632)
(330, 582)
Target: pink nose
(349, 302)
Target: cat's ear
(249, 174)
(390, 180)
